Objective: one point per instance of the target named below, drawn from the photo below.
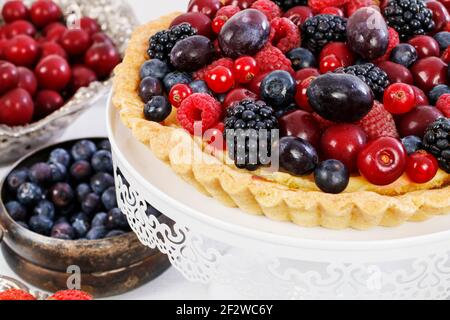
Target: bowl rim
(35, 235)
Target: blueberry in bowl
(59, 208)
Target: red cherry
(9, 77)
(425, 46)
(399, 98)
(75, 41)
(429, 72)
(214, 137)
(102, 58)
(245, 69)
(301, 97)
(242, 4)
(220, 79)
(207, 7)
(44, 12)
(101, 37)
(27, 80)
(81, 77)
(16, 108)
(53, 73)
(302, 74)
(22, 51)
(417, 121)
(54, 31)
(19, 27)
(46, 102)
(421, 167)
(329, 64)
(14, 10)
(178, 93)
(255, 84)
(440, 14)
(3, 32)
(3, 45)
(421, 97)
(299, 14)
(382, 161)
(198, 20)
(341, 51)
(332, 10)
(343, 142)
(237, 95)
(300, 124)
(396, 72)
(89, 25)
(49, 48)
(218, 23)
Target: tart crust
(279, 196)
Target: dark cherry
(440, 14)
(198, 20)
(429, 72)
(53, 73)
(425, 46)
(415, 122)
(396, 72)
(306, 73)
(299, 14)
(54, 31)
(49, 47)
(16, 108)
(207, 7)
(19, 27)
(75, 41)
(14, 10)
(46, 102)
(101, 37)
(421, 97)
(9, 76)
(81, 77)
(27, 80)
(102, 58)
(300, 124)
(44, 12)
(22, 51)
(89, 25)
(238, 95)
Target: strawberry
(16, 294)
(71, 295)
(378, 123)
(443, 104)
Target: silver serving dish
(117, 20)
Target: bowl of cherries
(56, 58)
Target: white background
(170, 285)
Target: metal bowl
(117, 20)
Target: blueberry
(301, 58)
(104, 145)
(443, 38)
(29, 193)
(63, 231)
(23, 224)
(109, 199)
(199, 86)
(157, 109)
(412, 144)
(101, 181)
(91, 203)
(16, 210)
(82, 190)
(114, 233)
(174, 78)
(58, 172)
(81, 170)
(100, 219)
(437, 92)
(96, 233)
(151, 211)
(116, 219)
(332, 176)
(83, 150)
(150, 87)
(62, 194)
(41, 224)
(40, 173)
(68, 210)
(404, 54)
(60, 156)
(154, 68)
(278, 89)
(45, 208)
(80, 223)
(102, 161)
(61, 220)
(297, 156)
(17, 178)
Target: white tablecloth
(170, 285)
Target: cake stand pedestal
(244, 256)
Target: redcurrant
(421, 167)
(218, 23)
(301, 97)
(399, 98)
(178, 93)
(245, 69)
(329, 64)
(220, 79)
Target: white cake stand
(253, 257)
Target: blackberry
(409, 17)
(373, 76)
(162, 42)
(437, 142)
(288, 4)
(322, 29)
(245, 126)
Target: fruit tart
(331, 113)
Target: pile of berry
(71, 196)
(63, 295)
(352, 86)
(43, 63)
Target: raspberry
(443, 104)
(224, 62)
(378, 123)
(394, 40)
(227, 11)
(354, 5)
(319, 5)
(269, 8)
(285, 35)
(71, 295)
(15, 294)
(199, 107)
(271, 58)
